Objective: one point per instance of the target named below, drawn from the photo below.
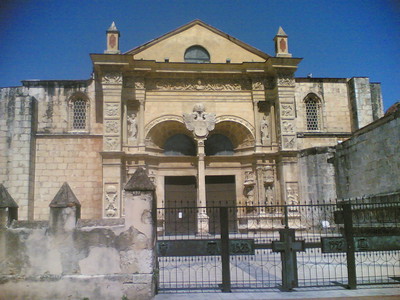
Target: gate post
(350, 249)
(226, 271)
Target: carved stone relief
(137, 83)
(292, 193)
(258, 84)
(287, 126)
(198, 85)
(268, 174)
(249, 183)
(289, 142)
(111, 196)
(112, 109)
(111, 143)
(285, 79)
(200, 122)
(111, 126)
(287, 110)
(112, 78)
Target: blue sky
(52, 39)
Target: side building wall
(17, 146)
(317, 175)
(369, 162)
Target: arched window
(197, 54)
(79, 114)
(313, 112)
(218, 144)
(180, 144)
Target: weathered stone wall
(67, 258)
(366, 101)
(71, 159)
(333, 94)
(53, 98)
(96, 260)
(317, 175)
(369, 162)
(17, 112)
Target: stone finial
(5, 198)
(65, 198)
(65, 210)
(281, 44)
(139, 182)
(112, 27)
(8, 207)
(113, 36)
(281, 32)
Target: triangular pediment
(220, 46)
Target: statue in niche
(264, 130)
(292, 196)
(269, 195)
(132, 126)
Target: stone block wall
(71, 159)
(369, 162)
(17, 122)
(317, 175)
(333, 93)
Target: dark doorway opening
(180, 204)
(221, 192)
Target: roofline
(207, 26)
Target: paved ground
(391, 292)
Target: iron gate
(282, 247)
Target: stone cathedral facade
(211, 119)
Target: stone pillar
(141, 214)
(112, 140)
(200, 123)
(286, 111)
(202, 218)
(258, 95)
(140, 95)
(8, 208)
(65, 210)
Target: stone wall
(317, 175)
(17, 122)
(369, 162)
(68, 258)
(72, 159)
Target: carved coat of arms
(200, 122)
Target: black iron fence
(260, 247)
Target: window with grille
(313, 113)
(79, 114)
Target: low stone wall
(369, 162)
(68, 258)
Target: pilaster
(112, 139)
(286, 111)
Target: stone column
(140, 95)
(200, 123)
(112, 141)
(141, 216)
(202, 218)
